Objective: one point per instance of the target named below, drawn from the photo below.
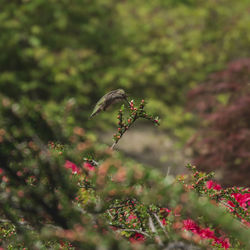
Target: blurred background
(187, 58)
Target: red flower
(72, 166)
(88, 166)
(191, 226)
(242, 199)
(164, 210)
(211, 184)
(137, 237)
(224, 242)
(131, 217)
(230, 203)
(205, 233)
(62, 244)
(164, 223)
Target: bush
(57, 52)
(52, 197)
(223, 142)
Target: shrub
(224, 140)
(52, 197)
(57, 52)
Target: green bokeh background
(61, 56)
(58, 57)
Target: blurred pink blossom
(72, 166)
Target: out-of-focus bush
(62, 51)
(56, 59)
(223, 102)
(55, 196)
(52, 52)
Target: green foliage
(57, 58)
(63, 53)
(135, 112)
(53, 196)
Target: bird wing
(112, 97)
(98, 105)
(105, 101)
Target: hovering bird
(109, 99)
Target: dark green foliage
(57, 52)
(46, 206)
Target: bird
(109, 99)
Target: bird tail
(93, 114)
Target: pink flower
(209, 184)
(205, 233)
(131, 217)
(164, 223)
(217, 187)
(242, 199)
(164, 210)
(136, 238)
(72, 166)
(88, 166)
(191, 226)
(213, 185)
(230, 203)
(224, 242)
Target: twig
(161, 225)
(168, 171)
(111, 216)
(153, 229)
(225, 204)
(120, 228)
(134, 230)
(134, 114)
(113, 145)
